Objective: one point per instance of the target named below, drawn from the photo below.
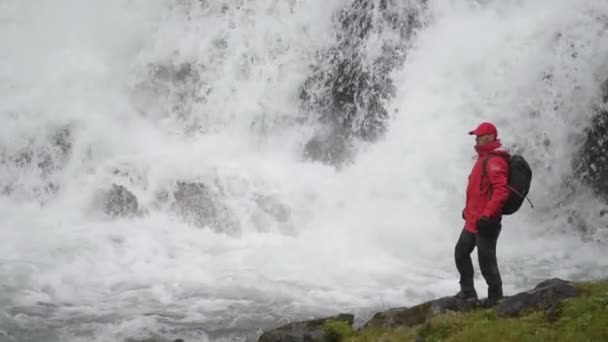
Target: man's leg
(462, 255)
(486, 251)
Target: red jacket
(487, 194)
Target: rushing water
(146, 93)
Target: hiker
(486, 194)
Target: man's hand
(484, 224)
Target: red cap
(483, 129)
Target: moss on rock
(581, 318)
(553, 313)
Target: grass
(580, 319)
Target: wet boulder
(120, 202)
(349, 94)
(199, 205)
(588, 183)
(409, 317)
(546, 296)
(316, 330)
(591, 164)
(350, 85)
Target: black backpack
(520, 177)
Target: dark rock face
(592, 165)
(120, 202)
(546, 296)
(589, 179)
(350, 85)
(408, 317)
(197, 204)
(307, 331)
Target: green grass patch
(580, 319)
(378, 334)
(337, 331)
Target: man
(486, 193)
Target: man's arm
(497, 173)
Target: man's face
(484, 139)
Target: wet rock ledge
(551, 307)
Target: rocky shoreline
(547, 296)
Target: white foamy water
(377, 233)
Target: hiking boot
(467, 295)
(494, 295)
(489, 302)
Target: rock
(350, 84)
(408, 317)
(308, 331)
(553, 312)
(546, 296)
(197, 204)
(593, 160)
(395, 317)
(354, 97)
(449, 304)
(120, 202)
(591, 165)
(584, 192)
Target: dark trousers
(486, 253)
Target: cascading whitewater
(203, 169)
